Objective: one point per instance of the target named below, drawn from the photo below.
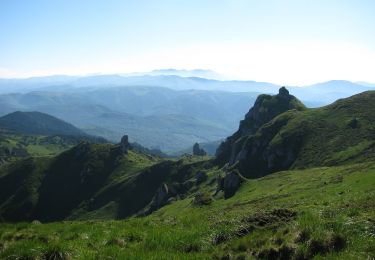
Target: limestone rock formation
(251, 152)
(198, 151)
(163, 196)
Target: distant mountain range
(199, 73)
(154, 117)
(163, 109)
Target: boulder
(229, 183)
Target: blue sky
(286, 42)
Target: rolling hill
(35, 134)
(37, 123)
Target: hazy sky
(285, 42)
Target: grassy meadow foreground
(322, 212)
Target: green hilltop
(342, 132)
(35, 134)
(291, 183)
(37, 123)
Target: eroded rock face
(229, 183)
(266, 108)
(200, 177)
(283, 92)
(250, 145)
(163, 196)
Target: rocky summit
(266, 108)
(279, 133)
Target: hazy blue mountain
(154, 117)
(170, 81)
(367, 84)
(34, 83)
(314, 95)
(200, 73)
(327, 92)
(160, 110)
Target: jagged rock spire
(124, 143)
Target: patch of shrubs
(284, 252)
(192, 248)
(220, 238)
(353, 123)
(203, 198)
(116, 242)
(334, 242)
(302, 236)
(56, 254)
(2, 247)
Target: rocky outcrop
(198, 151)
(161, 196)
(81, 149)
(269, 151)
(164, 195)
(124, 144)
(229, 184)
(241, 145)
(200, 177)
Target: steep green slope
(38, 123)
(59, 185)
(315, 213)
(90, 181)
(339, 133)
(15, 146)
(24, 134)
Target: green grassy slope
(339, 133)
(319, 212)
(53, 187)
(14, 146)
(91, 181)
